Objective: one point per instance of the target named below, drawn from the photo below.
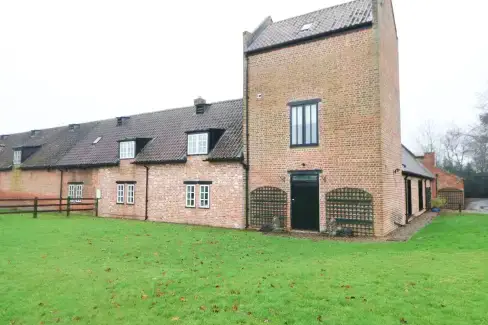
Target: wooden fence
(45, 205)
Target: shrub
(439, 202)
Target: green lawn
(85, 270)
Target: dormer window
(35, 133)
(127, 149)
(198, 143)
(17, 157)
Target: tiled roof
(412, 166)
(328, 20)
(53, 144)
(167, 130)
(62, 147)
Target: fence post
(96, 207)
(68, 206)
(35, 208)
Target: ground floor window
(131, 193)
(126, 192)
(205, 196)
(120, 193)
(190, 196)
(75, 192)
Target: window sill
(186, 207)
(303, 145)
(197, 154)
(206, 208)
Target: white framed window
(75, 192)
(17, 157)
(190, 196)
(127, 149)
(131, 193)
(120, 193)
(205, 196)
(198, 144)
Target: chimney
(200, 105)
(122, 120)
(73, 127)
(429, 159)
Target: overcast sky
(66, 62)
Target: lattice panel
(268, 206)
(454, 198)
(350, 208)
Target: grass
(85, 270)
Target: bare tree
(429, 139)
(456, 146)
(478, 148)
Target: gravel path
(406, 232)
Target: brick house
(313, 145)
(179, 165)
(446, 184)
(322, 118)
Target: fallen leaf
(76, 318)
(203, 308)
(108, 269)
(182, 299)
(144, 297)
(319, 318)
(403, 320)
(175, 318)
(235, 307)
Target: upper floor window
(127, 149)
(304, 127)
(17, 157)
(198, 144)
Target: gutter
(246, 164)
(309, 38)
(61, 190)
(147, 193)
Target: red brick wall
(393, 193)
(444, 179)
(18, 183)
(359, 125)
(167, 192)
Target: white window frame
(190, 195)
(120, 193)
(127, 149)
(197, 144)
(204, 202)
(75, 192)
(131, 193)
(17, 160)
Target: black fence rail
(43, 205)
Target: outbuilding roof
(314, 24)
(411, 166)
